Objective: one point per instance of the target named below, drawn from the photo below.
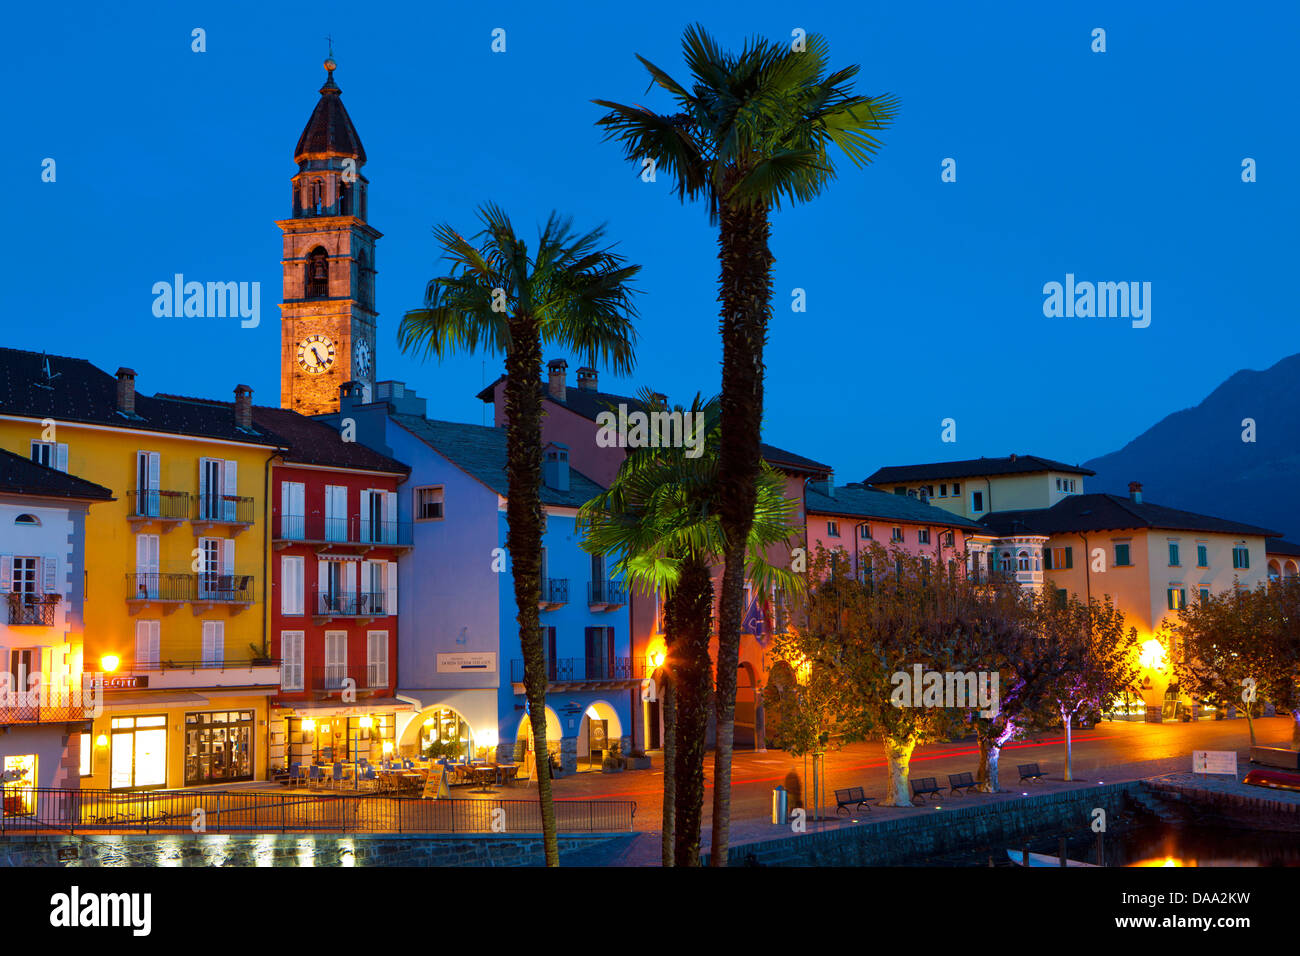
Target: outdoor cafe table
(485, 777)
(506, 773)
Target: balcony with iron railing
(326, 532)
(333, 679)
(226, 672)
(164, 508)
(328, 604)
(206, 587)
(554, 593)
(37, 714)
(586, 670)
(605, 595)
(234, 511)
(32, 610)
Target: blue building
(459, 661)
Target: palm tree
(572, 292)
(753, 130)
(661, 517)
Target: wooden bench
(959, 782)
(851, 799)
(1030, 771)
(925, 785)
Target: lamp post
(367, 722)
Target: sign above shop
(120, 681)
(456, 663)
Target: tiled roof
(330, 130)
(972, 468)
(480, 451)
(1101, 512)
(589, 403)
(22, 476)
(1278, 546)
(76, 391)
(870, 503)
(308, 441)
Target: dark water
(1149, 845)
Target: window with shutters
(377, 659)
(1202, 556)
(1173, 554)
(50, 454)
(922, 535)
(1058, 559)
(1241, 557)
(832, 529)
(214, 643)
(148, 643)
(293, 512)
(291, 659)
(336, 659)
(336, 513)
(291, 584)
(428, 503)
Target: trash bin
(779, 797)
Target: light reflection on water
(1164, 846)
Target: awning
(153, 700)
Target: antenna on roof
(48, 376)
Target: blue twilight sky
(924, 298)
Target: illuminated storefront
(138, 752)
(219, 747)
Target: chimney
(1135, 492)
(1013, 456)
(587, 378)
(556, 368)
(243, 406)
(349, 395)
(827, 487)
(555, 466)
(126, 391)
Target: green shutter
(1069, 557)
(1047, 560)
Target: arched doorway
(599, 731)
(746, 706)
(442, 731)
(524, 736)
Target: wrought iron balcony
(365, 679)
(35, 714)
(605, 595)
(160, 588)
(318, 529)
(352, 604)
(32, 610)
(151, 504)
(225, 588)
(583, 670)
(224, 509)
(554, 593)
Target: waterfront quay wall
(286, 849)
(932, 832)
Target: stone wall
(306, 849)
(909, 840)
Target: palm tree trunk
(690, 614)
(667, 836)
(745, 292)
(524, 541)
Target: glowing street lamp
(109, 663)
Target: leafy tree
(753, 130)
(1096, 658)
(571, 290)
(1222, 650)
(660, 517)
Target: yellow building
(1151, 560)
(979, 486)
(175, 581)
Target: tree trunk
(1295, 729)
(745, 290)
(670, 766)
(690, 611)
(898, 753)
(991, 743)
(524, 541)
(1250, 724)
(1067, 719)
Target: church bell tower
(327, 316)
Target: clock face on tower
(316, 354)
(361, 360)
